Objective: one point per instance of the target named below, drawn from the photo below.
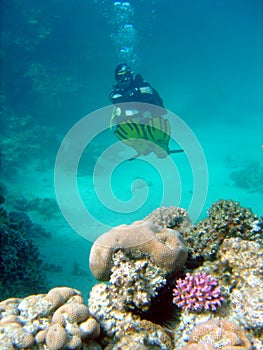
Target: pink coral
(197, 292)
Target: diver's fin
(158, 131)
(169, 152)
(175, 151)
(135, 157)
(132, 134)
(129, 130)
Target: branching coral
(197, 292)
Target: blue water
(57, 62)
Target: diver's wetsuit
(138, 91)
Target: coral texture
(226, 219)
(245, 261)
(144, 335)
(218, 334)
(135, 279)
(121, 329)
(20, 265)
(134, 282)
(164, 246)
(197, 292)
(170, 217)
(56, 320)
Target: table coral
(164, 246)
(54, 321)
(220, 334)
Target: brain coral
(164, 246)
(56, 320)
(218, 334)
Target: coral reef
(170, 217)
(218, 334)
(56, 320)
(197, 292)
(226, 219)
(144, 335)
(250, 177)
(134, 282)
(164, 246)
(46, 207)
(26, 140)
(238, 269)
(144, 266)
(20, 265)
(244, 262)
(135, 279)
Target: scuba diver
(137, 125)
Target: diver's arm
(146, 92)
(119, 96)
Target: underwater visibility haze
(130, 221)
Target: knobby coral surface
(218, 334)
(134, 281)
(226, 219)
(56, 320)
(170, 217)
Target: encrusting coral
(165, 247)
(244, 262)
(218, 334)
(56, 320)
